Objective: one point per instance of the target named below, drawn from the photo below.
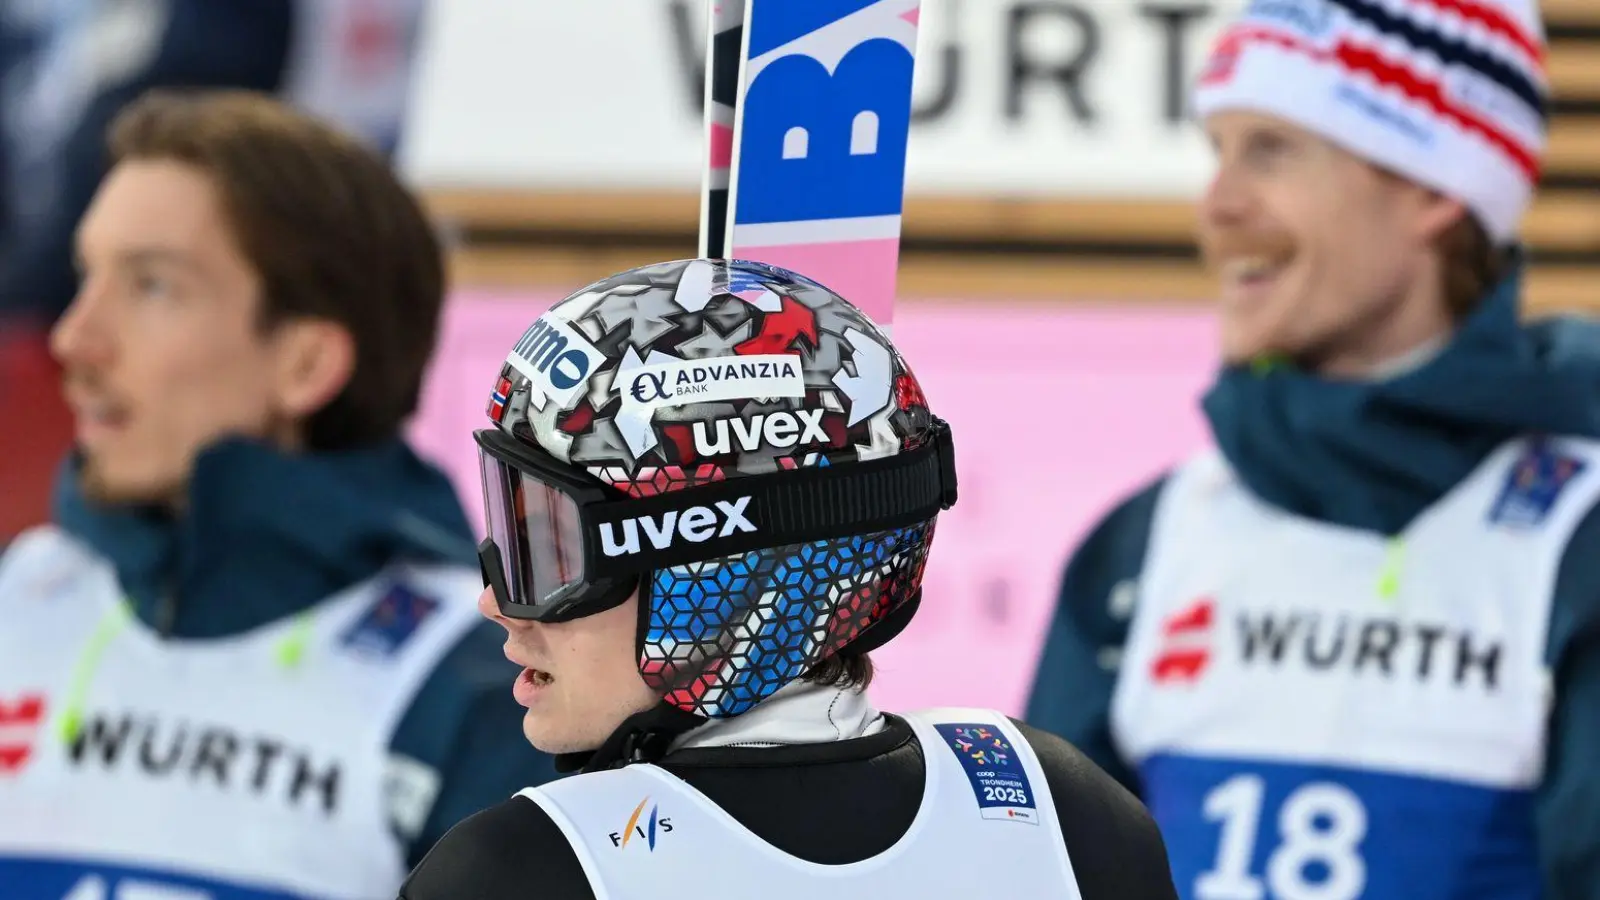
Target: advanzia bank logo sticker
(680, 382)
(556, 359)
(999, 783)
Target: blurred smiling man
(1353, 652)
(245, 661)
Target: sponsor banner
(1057, 414)
(1026, 97)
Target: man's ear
(1436, 213)
(314, 360)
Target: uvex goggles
(561, 544)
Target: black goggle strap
(626, 537)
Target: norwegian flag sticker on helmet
(499, 399)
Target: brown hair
(845, 669)
(1470, 264)
(330, 230)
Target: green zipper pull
(1389, 575)
(292, 648)
(83, 670)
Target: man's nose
(81, 336)
(1226, 201)
(489, 608)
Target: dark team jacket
(833, 804)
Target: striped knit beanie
(1448, 93)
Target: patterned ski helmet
(737, 442)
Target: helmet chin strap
(643, 737)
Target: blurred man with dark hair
(68, 68)
(244, 658)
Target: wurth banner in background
(1022, 97)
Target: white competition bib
(1317, 713)
(252, 767)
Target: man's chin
(1251, 347)
(106, 488)
(553, 741)
(1244, 352)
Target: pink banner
(1057, 413)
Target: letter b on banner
(821, 146)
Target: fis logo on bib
(679, 382)
(555, 358)
(697, 524)
(642, 826)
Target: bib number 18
(1316, 852)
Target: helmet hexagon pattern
(674, 375)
